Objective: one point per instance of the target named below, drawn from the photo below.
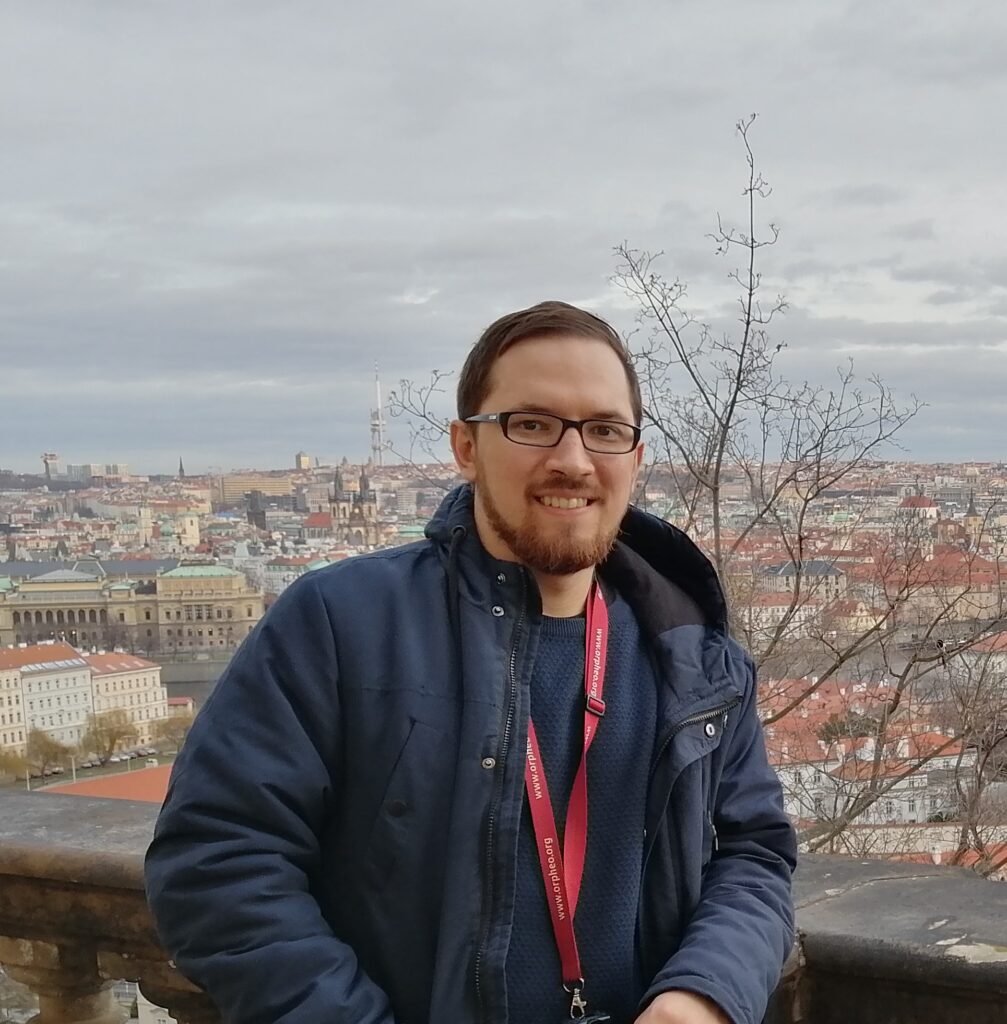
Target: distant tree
(846, 726)
(172, 730)
(13, 763)
(43, 752)
(105, 731)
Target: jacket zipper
(487, 911)
(696, 719)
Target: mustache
(561, 483)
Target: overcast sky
(215, 217)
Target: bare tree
(719, 406)
(415, 403)
(751, 458)
(106, 730)
(171, 731)
(44, 753)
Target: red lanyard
(562, 871)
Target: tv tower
(377, 424)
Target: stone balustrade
(73, 917)
(879, 943)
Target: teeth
(552, 502)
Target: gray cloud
(921, 230)
(211, 235)
(873, 194)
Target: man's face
(517, 487)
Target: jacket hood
(666, 550)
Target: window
(146, 615)
(889, 808)
(122, 616)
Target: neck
(564, 596)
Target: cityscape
(875, 611)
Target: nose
(570, 456)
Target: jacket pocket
(407, 800)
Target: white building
(13, 728)
(55, 690)
(123, 682)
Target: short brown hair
(543, 320)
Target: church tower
(973, 522)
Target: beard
(561, 553)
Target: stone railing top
(74, 839)
(939, 926)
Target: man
(509, 775)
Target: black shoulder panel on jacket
(672, 555)
(658, 603)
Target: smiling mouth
(553, 502)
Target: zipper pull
(713, 830)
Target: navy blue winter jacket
(338, 841)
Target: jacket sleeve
(236, 845)
(742, 931)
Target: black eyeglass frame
(578, 425)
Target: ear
(463, 445)
(637, 461)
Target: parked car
(115, 759)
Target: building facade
(123, 682)
(50, 690)
(190, 608)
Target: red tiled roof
(110, 664)
(34, 654)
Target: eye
(604, 430)
(530, 424)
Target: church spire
(181, 469)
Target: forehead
(578, 376)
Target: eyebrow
(598, 415)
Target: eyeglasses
(543, 430)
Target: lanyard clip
(578, 1005)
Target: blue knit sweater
(618, 766)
